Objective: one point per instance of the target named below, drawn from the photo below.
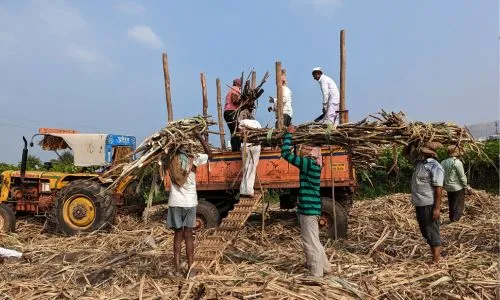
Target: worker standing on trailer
(455, 182)
(230, 112)
(287, 104)
(251, 161)
(309, 163)
(182, 202)
(426, 189)
(331, 98)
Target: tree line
(482, 173)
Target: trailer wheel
(207, 215)
(327, 219)
(7, 219)
(83, 206)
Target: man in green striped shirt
(309, 206)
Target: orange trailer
(218, 183)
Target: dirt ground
(384, 257)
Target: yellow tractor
(78, 202)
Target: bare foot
(193, 273)
(433, 263)
(174, 274)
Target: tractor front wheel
(7, 219)
(83, 206)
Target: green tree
(7, 167)
(66, 158)
(64, 163)
(32, 163)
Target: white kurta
(331, 99)
(287, 102)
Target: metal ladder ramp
(211, 248)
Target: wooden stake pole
(279, 95)
(254, 80)
(205, 98)
(344, 116)
(166, 75)
(219, 112)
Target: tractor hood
(88, 149)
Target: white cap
(317, 69)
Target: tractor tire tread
(341, 217)
(9, 217)
(209, 212)
(103, 201)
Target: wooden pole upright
(168, 95)
(205, 98)
(279, 95)
(220, 119)
(344, 116)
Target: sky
(95, 66)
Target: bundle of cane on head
(159, 149)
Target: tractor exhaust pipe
(24, 159)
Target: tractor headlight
(45, 187)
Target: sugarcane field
(227, 150)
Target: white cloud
(89, 59)
(145, 35)
(130, 8)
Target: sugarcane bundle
(51, 142)
(160, 147)
(249, 95)
(367, 138)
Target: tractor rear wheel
(328, 221)
(83, 206)
(7, 219)
(207, 215)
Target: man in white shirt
(181, 216)
(287, 104)
(331, 97)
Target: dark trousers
(230, 118)
(456, 204)
(428, 227)
(287, 121)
